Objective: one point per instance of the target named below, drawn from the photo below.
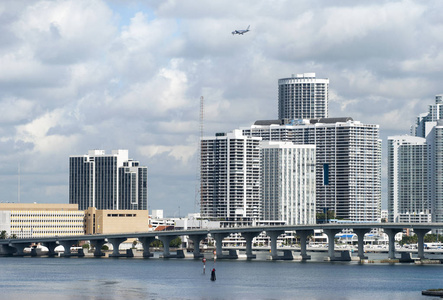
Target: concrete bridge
(17, 246)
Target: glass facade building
(107, 181)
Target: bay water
(136, 278)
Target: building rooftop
(38, 206)
(311, 121)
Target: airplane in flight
(241, 31)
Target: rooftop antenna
(18, 189)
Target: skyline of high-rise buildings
(347, 162)
(347, 167)
(245, 179)
(107, 181)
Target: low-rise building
(115, 221)
(28, 220)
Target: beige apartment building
(27, 220)
(115, 221)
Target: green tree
(174, 243)
(411, 239)
(177, 242)
(429, 238)
(433, 238)
(3, 235)
(321, 217)
(156, 244)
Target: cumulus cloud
(80, 75)
(181, 153)
(63, 32)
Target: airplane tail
(248, 27)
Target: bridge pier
(146, 242)
(34, 251)
(166, 239)
(249, 236)
(303, 234)
(274, 236)
(98, 244)
(7, 250)
(391, 232)
(51, 248)
(115, 245)
(67, 246)
(218, 237)
(420, 244)
(20, 247)
(331, 242)
(196, 239)
(361, 242)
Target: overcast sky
(80, 75)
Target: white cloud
(37, 133)
(78, 75)
(13, 110)
(181, 153)
(164, 92)
(65, 31)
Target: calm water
(98, 278)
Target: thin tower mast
(198, 185)
(18, 185)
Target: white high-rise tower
(302, 96)
(288, 182)
(230, 178)
(409, 179)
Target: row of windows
(122, 215)
(46, 215)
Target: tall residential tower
(409, 179)
(288, 182)
(107, 181)
(302, 96)
(230, 178)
